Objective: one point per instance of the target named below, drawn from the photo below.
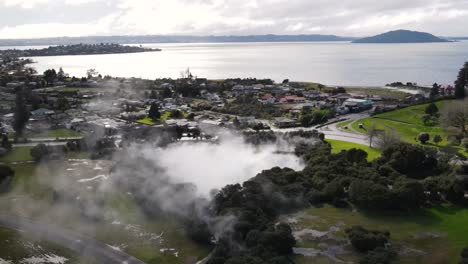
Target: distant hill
(169, 39)
(401, 36)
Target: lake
(333, 63)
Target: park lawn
(439, 231)
(407, 123)
(146, 121)
(344, 123)
(55, 133)
(17, 155)
(383, 92)
(149, 121)
(338, 146)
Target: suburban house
(283, 122)
(292, 99)
(357, 105)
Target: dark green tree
(154, 113)
(431, 109)
(437, 139)
(49, 76)
(435, 91)
(365, 240)
(461, 82)
(40, 152)
(424, 137)
(21, 114)
(61, 75)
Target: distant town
(108, 104)
(78, 49)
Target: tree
(6, 175)
(372, 133)
(426, 119)
(461, 82)
(431, 109)
(455, 114)
(365, 240)
(437, 139)
(61, 75)
(62, 103)
(21, 114)
(5, 142)
(424, 137)
(387, 139)
(379, 255)
(40, 152)
(92, 73)
(154, 113)
(464, 256)
(176, 114)
(49, 76)
(167, 92)
(434, 90)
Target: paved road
(81, 244)
(333, 132)
(60, 141)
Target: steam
(212, 166)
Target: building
(358, 105)
(282, 122)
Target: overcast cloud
(52, 18)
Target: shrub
(424, 137)
(364, 240)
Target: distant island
(402, 36)
(170, 39)
(78, 49)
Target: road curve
(85, 246)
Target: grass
(408, 230)
(338, 146)
(17, 155)
(54, 133)
(33, 185)
(383, 92)
(16, 246)
(344, 123)
(407, 123)
(149, 121)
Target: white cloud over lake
(48, 18)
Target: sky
(354, 18)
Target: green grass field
(149, 121)
(338, 146)
(440, 232)
(407, 123)
(54, 133)
(383, 92)
(17, 154)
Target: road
(60, 141)
(83, 245)
(333, 132)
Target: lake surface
(333, 63)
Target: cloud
(205, 17)
(24, 3)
